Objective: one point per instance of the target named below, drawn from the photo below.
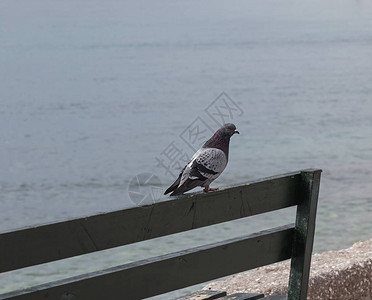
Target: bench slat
(84, 235)
(243, 296)
(172, 271)
(275, 297)
(203, 295)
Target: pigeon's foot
(207, 189)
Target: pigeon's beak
(236, 132)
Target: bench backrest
(145, 278)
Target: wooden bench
(146, 278)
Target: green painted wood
(304, 236)
(170, 272)
(56, 241)
(243, 296)
(203, 295)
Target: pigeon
(206, 164)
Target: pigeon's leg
(207, 189)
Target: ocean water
(93, 94)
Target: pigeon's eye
(230, 128)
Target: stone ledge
(344, 274)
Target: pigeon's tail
(186, 186)
(174, 185)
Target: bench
(150, 277)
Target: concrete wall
(344, 274)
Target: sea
(102, 103)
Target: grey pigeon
(206, 164)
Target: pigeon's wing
(209, 163)
(205, 166)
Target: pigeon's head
(229, 129)
(221, 138)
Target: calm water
(93, 93)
